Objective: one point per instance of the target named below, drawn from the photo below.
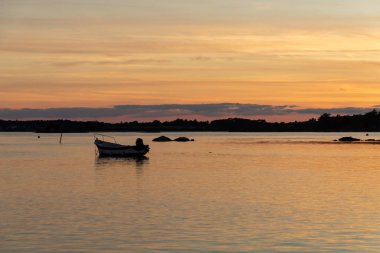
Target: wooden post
(60, 139)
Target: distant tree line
(369, 122)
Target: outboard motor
(140, 144)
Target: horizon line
(200, 111)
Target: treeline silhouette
(369, 122)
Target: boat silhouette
(114, 149)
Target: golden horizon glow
(103, 53)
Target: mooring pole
(60, 139)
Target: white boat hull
(113, 149)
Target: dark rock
(348, 139)
(182, 139)
(162, 139)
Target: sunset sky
(85, 54)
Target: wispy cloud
(111, 62)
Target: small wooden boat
(107, 148)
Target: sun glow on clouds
(100, 53)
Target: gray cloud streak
(173, 110)
(123, 62)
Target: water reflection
(102, 163)
(105, 162)
(261, 197)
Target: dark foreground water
(225, 192)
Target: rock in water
(162, 139)
(348, 139)
(183, 139)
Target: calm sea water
(225, 192)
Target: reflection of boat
(110, 161)
(106, 148)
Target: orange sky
(82, 53)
